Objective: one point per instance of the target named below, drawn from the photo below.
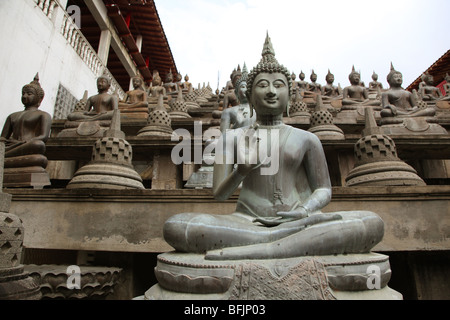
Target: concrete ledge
(416, 218)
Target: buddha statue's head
(354, 77)
(156, 79)
(137, 82)
(302, 76)
(186, 78)
(394, 77)
(329, 78)
(32, 93)
(240, 88)
(269, 69)
(313, 76)
(103, 83)
(374, 76)
(428, 78)
(169, 76)
(235, 75)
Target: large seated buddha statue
(95, 117)
(278, 223)
(135, 103)
(25, 133)
(356, 94)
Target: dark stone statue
(26, 133)
(278, 213)
(356, 94)
(398, 102)
(136, 98)
(100, 106)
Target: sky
(211, 38)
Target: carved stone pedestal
(416, 125)
(96, 283)
(36, 177)
(15, 283)
(189, 276)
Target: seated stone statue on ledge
(398, 102)
(26, 133)
(356, 94)
(94, 118)
(240, 115)
(135, 101)
(428, 92)
(278, 213)
(100, 106)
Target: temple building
(111, 188)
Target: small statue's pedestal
(74, 129)
(413, 125)
(353, 276)
(35, 176)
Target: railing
(79, 43)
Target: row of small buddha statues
(26, 132)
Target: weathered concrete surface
(416, 218)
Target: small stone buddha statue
(398, 103)
(374, 85)
(95, 116)
(447, 85)
(156, 89)
(313, 86)
(278, 213)
(302, 84)
(238, 116)
(186, 85)
(330, 91)
(25, 133)
(169, 85)
(100, 106)
(136, 100)
(230, 99)
(428, 92)
(356, 94)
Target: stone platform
(354, 276)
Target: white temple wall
(39, 36)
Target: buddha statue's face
(241, 90)
(396, 79)
(137, 82)
(329, 79)
(313, 77)
(29, 96)
(270, 93)
(354, 78)
(102, 84)
(156, 81)
(302, 76)
(429, 80)
(374, 77)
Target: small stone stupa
(178, 107)
(158, 122)
(377, 163)
(111, 166)
(322, 123)
(298, 108)
(15, 282)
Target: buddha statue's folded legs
(228, 237)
